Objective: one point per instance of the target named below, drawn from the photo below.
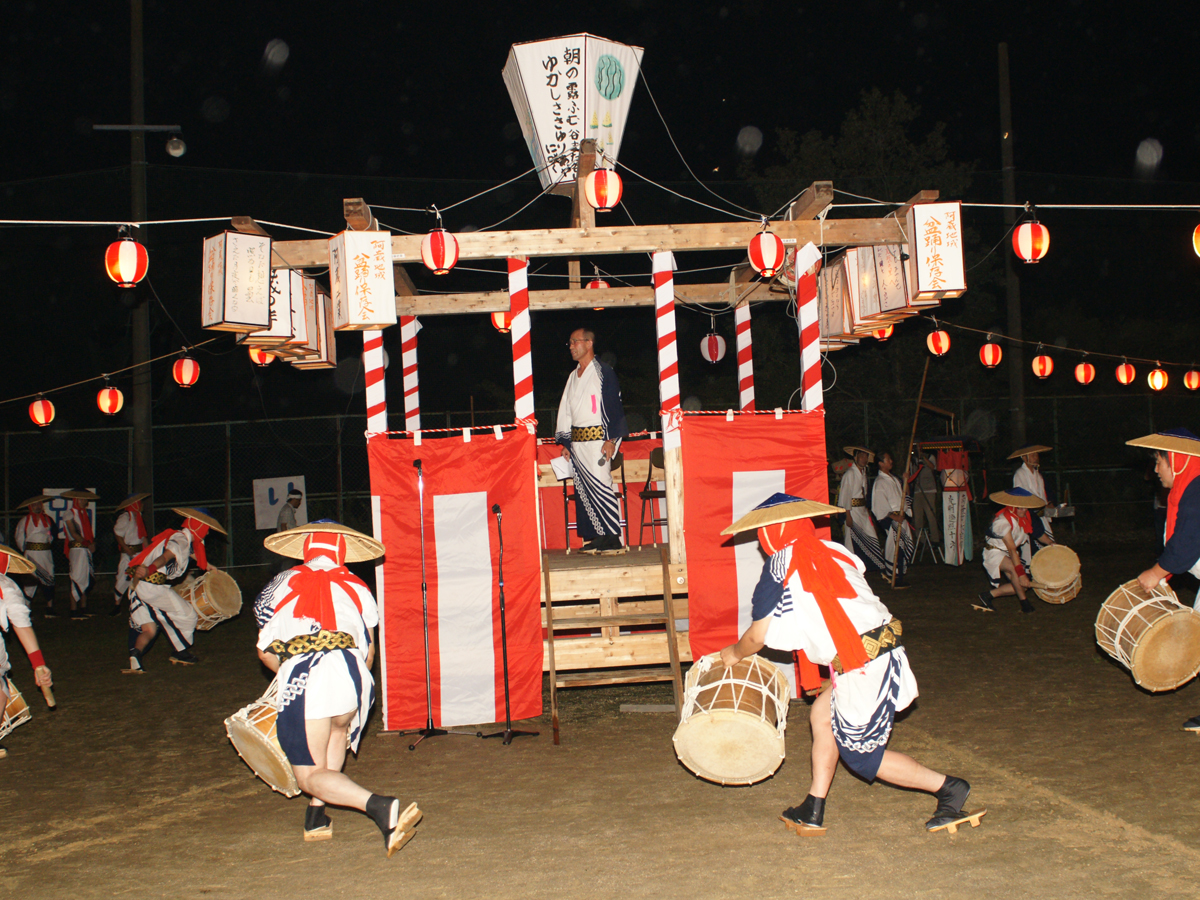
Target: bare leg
(904, 771)
(321, 781)
(148, 632)
(824, 747)
(335, 752)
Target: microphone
(417, 464)
(496, 508)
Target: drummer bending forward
(316, 623)
(1006, 549)
(14, 614)
(812, 598)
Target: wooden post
(912, 437)
(582, 214)
(673, 469)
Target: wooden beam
(404, 284)
(578, 298)
(919, 197)
(608, 240)
(247, 225)
(817, 198)
(358, 215)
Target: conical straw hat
(1018, 497)
(359, 547)
(1032, 448)
(781, 508)
(17, 564)
(188, 513)
(1178, 440)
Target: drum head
(263, 755)
(1168, 653)
(1055, 566)
(223, 593)
(729, 747)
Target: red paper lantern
(185, 371)
(882, 334)
(261, 357)
(439, 251)
(110, 400)
(1126, 373)
(938, 343)
(766, 253)
(1191, 380)
(1085, 372)
(1043, 366)
(712, 348)
(126, 262)
(41, 411)
(1031, 240)
(1157, 379)
(1196, 241)
(597, 284)
(602, 189)
(990, 355)
(502, 321)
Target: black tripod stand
(428, 730)
(508, 734)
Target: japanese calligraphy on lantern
(321, 334)
(280, 331)
(568, 89)
(235, 293)
(362, 281)
(935, 248)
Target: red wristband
(150, 570)
(1021, 569)
(36, 659)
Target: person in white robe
(34, 537)
(860, 536)
(888, 507)
(1029, 477)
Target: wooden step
(566, 623)
(613, 676)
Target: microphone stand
(508, 734)
(428, 730)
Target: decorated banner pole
(408, 362)
(376, 391)
(663, 268)
(745, 357)
(518, 300)
(812, 395)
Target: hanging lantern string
(1038, 344)
(106, 376)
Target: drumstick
(49, 695)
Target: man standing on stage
(34, 537)
(287, 512)
(79, 543)
(1029, 477)
(887, 505)
(130, 532)
(860, 535)
(591, 424)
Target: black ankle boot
(808, 816)
(317, 824)
(950, 799)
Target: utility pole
(1015, 351)
(143, 436)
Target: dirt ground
(132, 789)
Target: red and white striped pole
(518, 300)
(812, 396)
(408, 362)
(745, 357)
(668, 354)
(376, 392)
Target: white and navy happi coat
(887, 497)
(79, 558)
(994, 549)
(860, 537)
(38, 531)
(324, 683)
(14, 612)
(592, 399)
(864, 701)
(159, 603)
(126, 528)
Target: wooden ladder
(614, 620)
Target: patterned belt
(312, 643)
(590, 433)
(29, 547)
(858, 501)
(77, 545)
(877, 641)
(156, 578)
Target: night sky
(284, 113)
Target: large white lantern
(235, 284)
(566, 90)
(361, 281)
(325, 349)
(935, 252)
(280, 330)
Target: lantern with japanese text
(602, 189)
(1191, 380)
(1085, 372)
(109, 400)
(712, 348)
(1157, 379)
(1031, 240)
(439, 251)
(936, 270)
(321, 349)
(882, 334)
(126, 262)
(1043, 366)
(362, 285)
(41, 411)
(990, 355)
(261, 357)
(1126, 373)
(235, 282)
(185, 371)
(502, 321)
(766, 253)
(938, 343)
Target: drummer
(14, 615)
(316, 631)
(1006, 549)
(813, 598)
(130, 532)
(153, 603)
(1029, 477)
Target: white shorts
(330, 689)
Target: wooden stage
(620, 585)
